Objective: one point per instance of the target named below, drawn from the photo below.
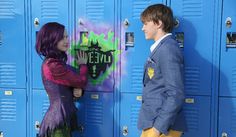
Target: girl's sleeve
(58, 72)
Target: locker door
(12, 112)
(195, 33)
(95, 22)
(45, 11)
(40, 107)
(227, 117)
(95, 115)
(133, 44)
(12, 44)
(196, 110)
(228, 50)
(129, 107)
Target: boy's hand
(77, 92)
(158, 133)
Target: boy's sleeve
(171, 65)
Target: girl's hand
(82, 57)
(77, 92)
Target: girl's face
(62, 45)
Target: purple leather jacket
(59, 81)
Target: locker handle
(125, 131)
(1, 133)
(81, 128)
(176, 23)
(36, 22)
(228, 22)
(37, 125)
(224, 134)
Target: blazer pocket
(152, 107)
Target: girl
(59, 81)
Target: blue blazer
(163, 89)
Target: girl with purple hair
(60, 81)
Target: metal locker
(196, 111)
(12, 112)
(133, 44)
(227, 117)
(45, 11)
(39, 108)
(12, 44)
(194, 31)
(228, 50)
(95, 115)
(95, 33)
(130, 104)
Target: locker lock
(125, 131)
(36, 22)
(228, 22)
(224, 134)
(126, 22)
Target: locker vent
(8, 109)
(7, 9)
(7, 74)
(234, 80)
(233, 121)
(94, 113)
(138, 6)
(192, 79)
(49, 9)
(45, 106)
(192, 117)
(136, 78)
(95, 10)
(134, 114)
(192, 8)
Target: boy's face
(150, 30)
(62, 45)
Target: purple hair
(47, 39)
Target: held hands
(77, 92)
(82, 57)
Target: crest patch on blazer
(150, 72)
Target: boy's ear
(159, 24)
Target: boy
(163, 88)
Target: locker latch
(176, 23)
(36, 22)
(1, 133)
(125, 131)
(37, 125)
(228, 22)
(224, 134)
(81, 128)
(126, 22)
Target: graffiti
(102, 48)
(98, 60)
